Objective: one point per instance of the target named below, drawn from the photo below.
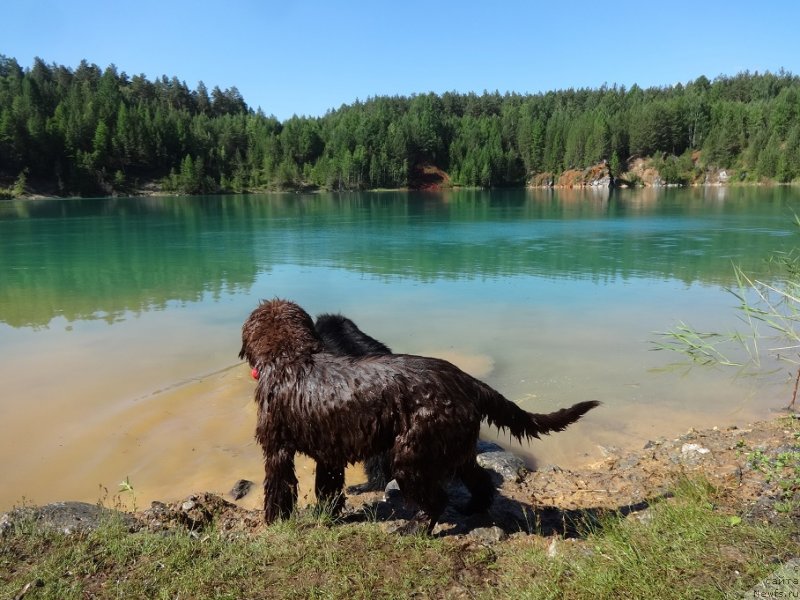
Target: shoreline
(740, 462)
(150, 192)
(230, 455)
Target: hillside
(93, 131)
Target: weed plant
(770, 312)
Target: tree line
(88, 131)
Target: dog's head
(277, 328)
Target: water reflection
(99, 258)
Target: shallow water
(120, 318)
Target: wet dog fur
(342, 336)
(424, 412)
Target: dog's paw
(363, 488)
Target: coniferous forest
(91, 131)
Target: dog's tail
(504, 414)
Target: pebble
(643, 516)
(488, 535)
(550, 469)
(627, 462)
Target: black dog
(424, 412)
(341, 336)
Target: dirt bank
(756, 469)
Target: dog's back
(341, 336)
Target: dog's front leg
(280, 484)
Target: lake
(120, 318)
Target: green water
(552, 297)
(103, 258)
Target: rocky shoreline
(755, 469)
(639, 172)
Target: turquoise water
(550, 296)
(84, 259)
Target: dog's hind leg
(430, 497)
(421, 482)
(433, 504)
(328, 485)
(479, 483)
(280, 484)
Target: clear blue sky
(305, 57)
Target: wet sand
(197, 435)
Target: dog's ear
(243, 351)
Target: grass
(298, 558)
(784, 471)
(689, 547)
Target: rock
(732, 472)
(241, 488)
(36, 583)
(6, 524)
(627, 462)
(392, 493)
(549, 469)
(763, 510)
(643, 516)
(692, 454)
(604, 182)
(608, 451)
(157, 515)
(416, 525)
(694, 448)
(483, 446)
(488, 535)
(509, 466)
(197, 512)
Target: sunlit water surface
(120, 318)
